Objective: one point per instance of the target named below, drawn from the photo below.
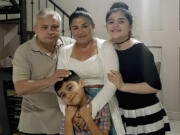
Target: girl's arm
(139, 88)
(148, 72)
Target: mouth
(115, 30)
(51, 38)
(81, 37)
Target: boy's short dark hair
(72, 77)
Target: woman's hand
(116, 78)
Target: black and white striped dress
(142, 114)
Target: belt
(94, 86)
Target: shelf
(9, 102)
(9, 10)
(10, 21)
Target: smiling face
(82, 29)
(47, 30)
(118, 26)
(72, 93)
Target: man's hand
(58, 76)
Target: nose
(115, 24)
(69, 96)
(80, 30)
(50, 30)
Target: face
(118, 26)
(47, 30)
(72, 93)
(82, 30)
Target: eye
(74, 28)
(44, 27)
(55, 27)
(69, 88)
(63, 95)
(110, 22)
(121, 21)
(85, 26)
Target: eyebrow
(82, 24)
(49, 25)
(122, 18)
(68, 85)
(61, 92)
(118, 19)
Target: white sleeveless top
(90, 70)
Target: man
(34, 74)
(71, 91)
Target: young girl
(138, 80)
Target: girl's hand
(116, 78)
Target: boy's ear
(81, 83)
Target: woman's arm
(110, 62)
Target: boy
(71, 91)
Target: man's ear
(35, 29)
(81, 83)
(93, 26)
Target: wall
(9, 42)
(36, 7)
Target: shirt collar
(36, 48)
(60, 42)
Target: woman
(91, 59)
(138, 80)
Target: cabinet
(9, 102)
